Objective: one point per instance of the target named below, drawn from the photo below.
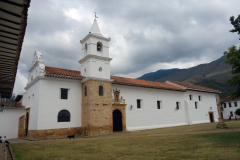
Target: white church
(60, 102)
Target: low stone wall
(54, 133)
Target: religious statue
(116, 98)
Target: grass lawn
(147, 144)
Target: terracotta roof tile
(144, 83)
(229, 98)
(191, 86)
(60, 71)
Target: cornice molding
(94, 56)
(93, 35)
(97, 79)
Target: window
(230, 105)
(199, 98)
(177, 105)
(64, 93)
(190, 97)
(196, 105)
(139, 104)
(85, 90)
(63, 116)
(86, 46)
(99, 46)
(100, 90)
(235, 104)
(158, 104)
(231, 113)
(225, 105)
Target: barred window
(63, 116)
(64, 93)
(139, 104)
(100, 90)
(158, 104)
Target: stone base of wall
(21, 128)
(55, 133)
(93, 130)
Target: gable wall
(51, 103)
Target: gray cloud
(144, 33)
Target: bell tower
(95, 61)
(97, 85)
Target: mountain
(214, 70)
(153, 76)
(212, 75)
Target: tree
(238, 112)
(236, 24)
(233, 55)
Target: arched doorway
(27, 121)
(117, 121)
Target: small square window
(139, 101)
(158, 104)
(190, 97)
(235, 104)
(199, 98)
(230, 105)
(177, 105)
(64, 93)
(196, 105)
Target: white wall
(226, 111)
(50, 103)
(9, 122)
(31, 100)
(206, 104)
(150, 117)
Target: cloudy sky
(146, 35)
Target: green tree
(238, 111)
(236, 24)
(233, 55)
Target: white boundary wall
(226, 111)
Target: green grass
(148, 144)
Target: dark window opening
(190, 97)
(63, 116)
(225, 105)
(138, 103)
(100, 90)
(99, 46)
(64, 93)
(235, 104)
(199, 98)
(158, 105)
(196, 105)
(230, 105)
(231, 114)
(177, 107)
(85, 90)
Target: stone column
(220, 124)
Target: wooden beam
(5, 72)
(7, 20)
(8, 48)
(14, 44)
(9, 26)
(6, 54)
(12, 3)
(15, 34)
(16, 39)
(7, 60)
(11, 13)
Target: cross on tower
(95, 15)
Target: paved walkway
(2, 151)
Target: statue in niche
(116, 98)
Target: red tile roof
(229, 98)
(144, 83)
(60, 71)
(191, 86)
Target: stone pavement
(4, 152)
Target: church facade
(60, 102)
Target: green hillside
(211, 75)
(214, 70)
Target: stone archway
(117, 121)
